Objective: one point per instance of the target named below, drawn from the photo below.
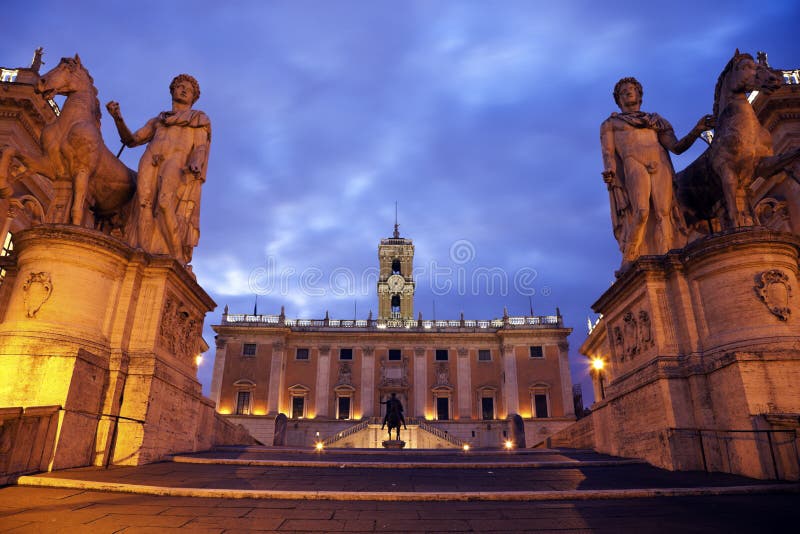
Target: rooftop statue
(72, 150)
(639, 174)
(740, 152)
(171, 172)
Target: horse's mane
(96, 107)
(718, 89)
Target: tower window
(395, 305)
(395, 266)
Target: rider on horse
(394, 406)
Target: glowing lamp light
(598, 364)
(466, 447)
(509, 444)
(198, 360)
(319, 446)
(225, 411)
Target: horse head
(67, 77)
(767, 78)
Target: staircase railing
(440, 433)
(349, 431)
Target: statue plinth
(698, 342)
(110, 334)
(393, 444)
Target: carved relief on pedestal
(179, 331)
(773, 289)
(773, 214)
(634, 336)
(37, 289)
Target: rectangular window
(537, 351)
(487, 408)
(344, 408)
(395, 355)
(484, 355)
(442, 408)
(298, 407)
(243, 403)
(301, 354)
(441, 355)
(540, 405)
(345, 354)
(249, 349)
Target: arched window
(396, 266)
(395, 306)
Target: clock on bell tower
(395, 281)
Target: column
(367, 391)
(464, 384)
(321, 392)
(420, 381)
(276, 379)
(566, 379)
(510, 385)
(219, 369)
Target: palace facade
(460, 381)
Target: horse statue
(741, 149)
(394, 415)
(393, 422)
(72, 149)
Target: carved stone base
(393, 444)
(697, 343)
(109, 334)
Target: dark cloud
(481, 119)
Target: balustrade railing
(523, 322)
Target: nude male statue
(639, 173)
(171, 170)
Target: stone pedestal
(393, 444)
(110, 335)
(702, 351)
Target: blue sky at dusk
(481, 119)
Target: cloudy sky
(479, 118)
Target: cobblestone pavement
(37, 510)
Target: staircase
(368, 434)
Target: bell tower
(395, 281)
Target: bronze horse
(72, 149)
(741, 149)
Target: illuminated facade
(465, 378)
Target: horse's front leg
(730, 182)
(79, 187)
(27, 164)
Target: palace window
(301, 354)
(441, 402)
(8, 75)
(249, 349)
(537, 351)
(344, 401)
(8, 245)
(540, 401)
(243, 403)
(299, 401)
(395, 355)
(441, 355)
(345, 354)
(298, 407)
(486, 402)
(484, 355)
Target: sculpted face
(183, 92)
(629, 97)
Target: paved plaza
(241, 490)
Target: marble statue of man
(171, 171)
(639, 174)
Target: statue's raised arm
(171, 172)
